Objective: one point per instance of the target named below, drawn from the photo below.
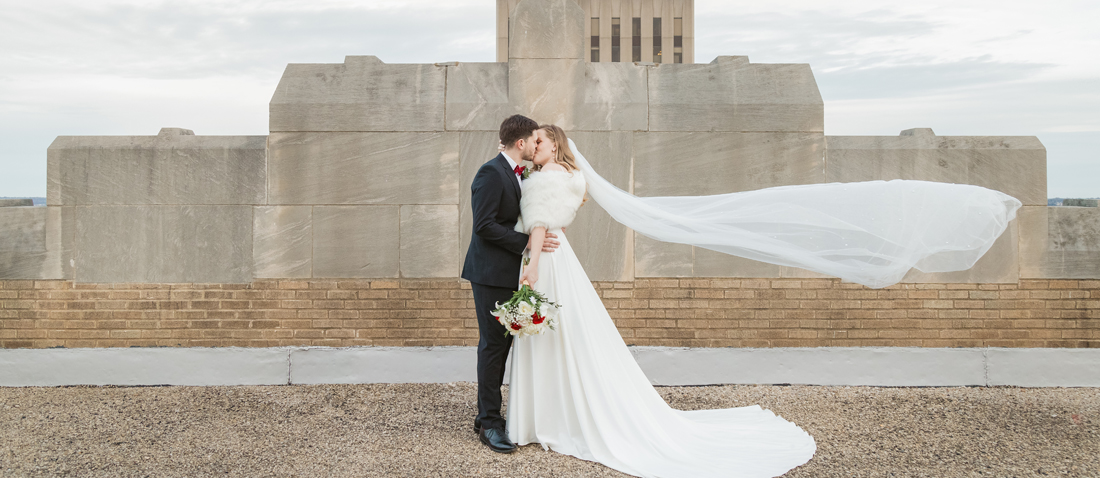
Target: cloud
(1013, 71)
(921, 77)
(133, 66)
(177, 40)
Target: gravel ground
(425, 430)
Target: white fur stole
(550, 199)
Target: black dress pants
(492, 352)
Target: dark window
(595, 38)
(616, 34)
(678, 40)
(636, 39)
(656, 40)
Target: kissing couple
(577, 390)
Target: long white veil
(869, 232)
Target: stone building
(348, 223)
(638, 31)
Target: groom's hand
(550, 244)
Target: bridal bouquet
(526, 313)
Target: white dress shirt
(512, 164)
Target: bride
(577, 390)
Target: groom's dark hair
(515, 128)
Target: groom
(493, 267)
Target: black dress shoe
(477, 426)
(496, 440)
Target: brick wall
(669, 312)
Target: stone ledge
(845, 366)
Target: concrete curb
(144, 366)
(878, 366)
(866, 366)
(383, 365)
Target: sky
(960, 67)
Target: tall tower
(656, 31)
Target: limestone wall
(31, 242)
(366, 171)
(175, 207)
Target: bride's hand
(530, 274)
(500, 147)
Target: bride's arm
(531, 271)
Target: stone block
(541, 29)
(361, 94)
(677, 164)
(363, 168)
(653, 258)
(604, 247)
(477, 96)
(658, 258)
(169, 168)
(60, 233)
(24, 229)
(1034, 242)
(1059, 243)
(731, 94)
(616, 98)
(547, 90)
(1001, 263)
(16, 202)
(282, 238)
(1074, 229)
(1014, 165)
(708, 263)
(23, 248)
(34, 246)
(476, 147)
(430, 241)
(356, 241)
(191, 243)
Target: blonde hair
(561, 143)
(564, 155)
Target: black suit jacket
(496, 250)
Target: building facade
(641, 31)
(347, 226)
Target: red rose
(515, 326)
(537, 319)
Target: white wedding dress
(577, 390)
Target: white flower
(525, 309)
(544, 309)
